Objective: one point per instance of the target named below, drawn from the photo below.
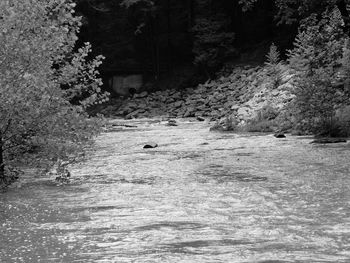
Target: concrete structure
(126, 85)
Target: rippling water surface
(198, 197)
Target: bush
(226, 124)
(260, 126)
(267, 113)
(340, 124)
(264, 120)
(230, 123)
(286, 120)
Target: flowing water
(199, 197)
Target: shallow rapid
(199, 196)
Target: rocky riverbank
(240, 95)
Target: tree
(344, 76)
(40, 78)
(274, 65)
(293, 11)
(317, 60)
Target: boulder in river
(150, 145)
(279, 135)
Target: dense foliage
(40, 76)
(213, 45)
(154, 36)
(320, 60)
(274, 65)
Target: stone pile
(239, 95)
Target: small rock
(188, 113)
(143, 94)
(275, 93)
(199, 118)
(150, 146)
(235, 107)
(178, 104)
(328, 140)
(279, 135)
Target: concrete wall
(125, 85)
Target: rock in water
(171, 123)
(279, 135)
(150, 146)
(328, 140)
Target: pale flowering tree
(45, 87)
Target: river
(199, 197)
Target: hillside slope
(240, 95)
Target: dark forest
(188, 41)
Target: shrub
(286, 121)
(217, 127)
(260, 126)
(342, 118)
(267, 113)
(230, 123)
(264, 120)
(227, 124)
